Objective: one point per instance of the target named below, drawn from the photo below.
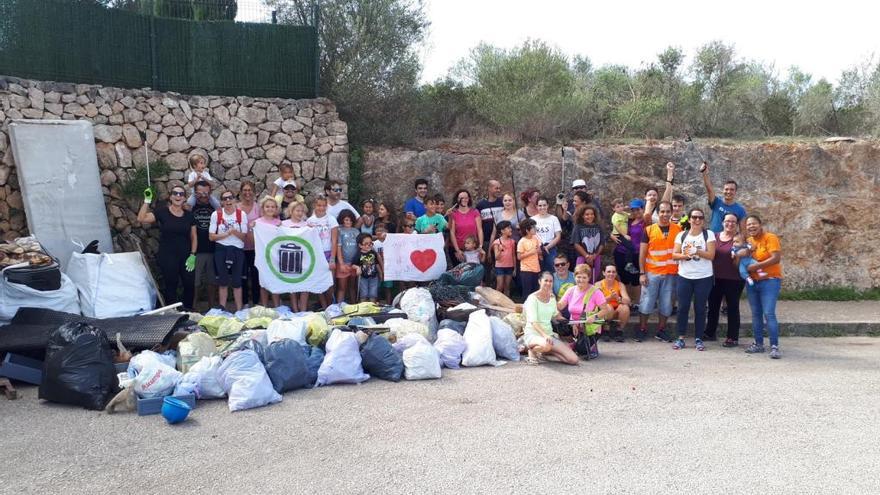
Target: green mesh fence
(70, 41)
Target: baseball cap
(289, 183)
(637, 203)
(579, 183)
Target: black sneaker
(606, 333)
(662, 336)
(640, 335)
(618, 336)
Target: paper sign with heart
(423, 259)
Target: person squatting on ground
(177, 245)
(694, 250)
(618, 302)
(584, 302)
(540, 310)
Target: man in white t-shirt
(228, 228)
(335, 203)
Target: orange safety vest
(659, 257)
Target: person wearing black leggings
(177, 245)
(728, 284)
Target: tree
(368, 64)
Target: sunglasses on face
(178, 193)
(228, 198)
(202, 194)
(408, 226)
(557, 265)
(697, 217)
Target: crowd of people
(657, 253)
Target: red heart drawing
(423, 260)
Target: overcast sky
(822, 39)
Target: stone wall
(819, 197)
(245, 138)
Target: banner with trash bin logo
(414, 258)
(291, 260)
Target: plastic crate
(145, 407)
(23, 369)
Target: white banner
(291, 260)
(414, 257)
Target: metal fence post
(154, 72)
(316, 19)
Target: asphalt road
(641, 419)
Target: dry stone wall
(244, 138)
(819, 197)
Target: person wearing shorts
(657, 272)
(228, 229)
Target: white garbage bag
(295, 329)
(112, 285)
(451, 345)
(421, 362)
(193, 348)
(246, 382)
(204, 378)
(156, 379)
(478, 337)
(14, 296)
(419, 306)
(343, 361)
(503, 340)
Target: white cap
(579, 183)
(289, 183)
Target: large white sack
(401, 327)
(478, 337)
(342, 364)
(295, 329)
(451, 346)
(156, 379)
(419, 306)
(112, 285)
(503, 339)
(193, 348)
(14, 296)
(204, 378)
(421, 362)
(246, 382)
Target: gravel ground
(641, 419)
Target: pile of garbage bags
(253, 357)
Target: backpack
(220, 218)
(684, 234)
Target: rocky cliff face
(819, 198)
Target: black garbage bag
(245, 343)
(287, 365)
(467, 274)
(78, 369)
(380, 360)
(456, 325)
(314, 358)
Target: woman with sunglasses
(228, 229)
(177, 244)
(694, 249)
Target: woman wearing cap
(621, 254)
(767, 275)
(177, 245)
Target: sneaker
(679, 344)
(724, 310)
(618, 336)
(699, 345)
(606, 333)
(774, 352)
(754, 349)
(640, 335)
(709, 338)
(662, 336)
(730, 343)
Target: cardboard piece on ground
(60, 185)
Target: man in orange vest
(657, 272)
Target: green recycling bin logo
(290, 258)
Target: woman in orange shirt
(767, 274)
(619, 301)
